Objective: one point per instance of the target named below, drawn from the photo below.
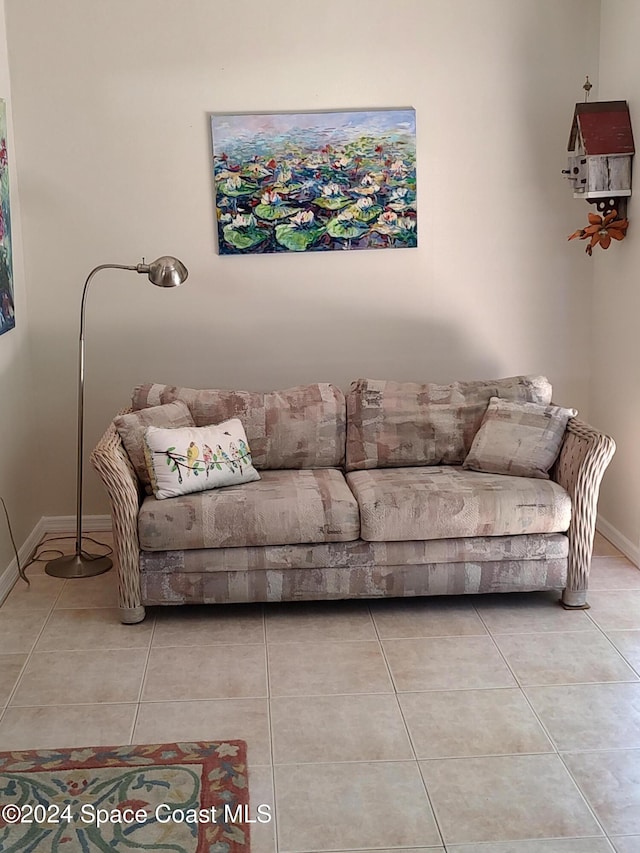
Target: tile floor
(489, 724)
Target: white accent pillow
(194, 459)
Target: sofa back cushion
(396, 424)
(302, 427)
(131, 428)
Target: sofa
(360, 495)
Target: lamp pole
(164, 272)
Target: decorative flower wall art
(7, 316)
(315, 181)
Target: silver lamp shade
(165, 271)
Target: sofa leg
(131, 615)
(574, 599)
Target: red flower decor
(602, 231)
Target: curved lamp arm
(164, 272)
(81, 399)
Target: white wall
(110, 105)
(20, 460)
(615, 387)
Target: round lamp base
(78, 566)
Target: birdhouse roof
(604, 127)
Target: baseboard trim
(618, 539)
(10, 574)
(48, 524)
(67, 523)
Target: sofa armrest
(583, 459)
(110, 460)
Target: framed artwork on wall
(314, 181)
(7, 314)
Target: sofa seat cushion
(445, 502)
(283, 508)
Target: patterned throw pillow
(522, 439)
(194, 459)
(131, 428)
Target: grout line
(319, 642)
(414, 760)
(582, 794)
(407, 730)
(31, 650)
(202, 645)
(85, 607)
(635, 669)
(521, 689)
(276, 837)
(545, 632)
(384, 658)
(420, 847)
(556, 751)
(142, 680)
(75, 704)
(602, 749)
(490, 846)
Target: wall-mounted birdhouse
(600, 151)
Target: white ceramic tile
(615, 611)
(62, 726)
(456, 723)
(205, 672)
(338, 728)
(519, 613)
(98, 591)
(216, 719)
(506, 798)
(563, 658)
(445, 663)
(611, 573)
(589, 716)
(322, 807)
(92, 628)
(555, 845)
(69, 678)
(319, 621)
(610, 781)
(19, 630)
(41, 594)
(628, 644)
(402, 618)
(627, 844)
(209, 625)
(263, 834)
(10, 669)
(309, 669)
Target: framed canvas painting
(7, 315)
(314, 181)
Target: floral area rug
(179, 797)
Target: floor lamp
(164, 272)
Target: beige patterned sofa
(363, 496)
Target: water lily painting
(7, 317)
(315, 181)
